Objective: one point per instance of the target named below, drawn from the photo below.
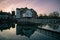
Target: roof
(4, 13)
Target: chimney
(13, 12)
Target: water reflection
(50, 26)
(28, 31)
(25, 30)
(6, 26)
(53, 26)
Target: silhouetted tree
(54, 14)
(45, 15)
(40, 15)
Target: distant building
(4, 15)
(7, 15)
(25, 12)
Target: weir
(33, 20)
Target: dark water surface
(18, 32)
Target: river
(13, 31)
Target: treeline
(53, 15)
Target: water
(13, 31)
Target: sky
(40, 6)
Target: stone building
(25, 13)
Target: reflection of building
(6, 26)
(22, 30)
(25, 12)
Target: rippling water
(18, 32)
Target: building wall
(17, 13)
(3, 16)
(28, 13)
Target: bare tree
(54, 14)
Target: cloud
(41, 6)
(1, 1)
